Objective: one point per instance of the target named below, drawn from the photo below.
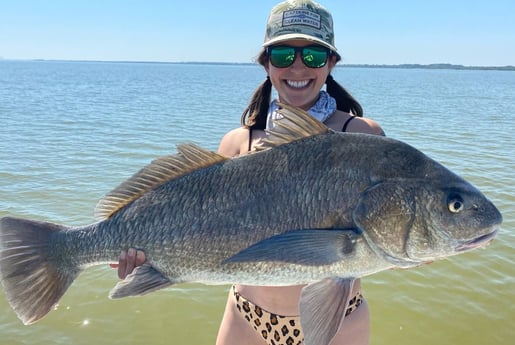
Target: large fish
(312, 206)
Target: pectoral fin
(304, 247)
(322, 308)
(144, 279)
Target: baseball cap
(300, 19)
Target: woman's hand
(128, 261)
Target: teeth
(297, 84)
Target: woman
(298, 56)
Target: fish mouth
(478, 242)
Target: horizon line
(440, 65)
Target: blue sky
(472, 32)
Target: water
(72, 131)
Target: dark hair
(254, 116)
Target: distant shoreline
(399, 66)
(437, 66)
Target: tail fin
(33, 278)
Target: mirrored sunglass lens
(314, 57)
(282, 56)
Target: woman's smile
(297, 84)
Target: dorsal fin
(189, 158)
(295, 124)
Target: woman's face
(298, 84)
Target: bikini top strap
(344, 128)
(250, 139)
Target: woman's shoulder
(354, 124)
(365, 125)
(234, 142)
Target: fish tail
(33, 279)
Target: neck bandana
(324, 107)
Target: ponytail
(344, 100)
(254, 116)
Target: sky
(463, 32)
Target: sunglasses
(312, 56)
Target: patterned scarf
(321, 110)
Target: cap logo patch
(301, 17)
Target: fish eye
(455, 204)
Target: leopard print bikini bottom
(277, 329)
